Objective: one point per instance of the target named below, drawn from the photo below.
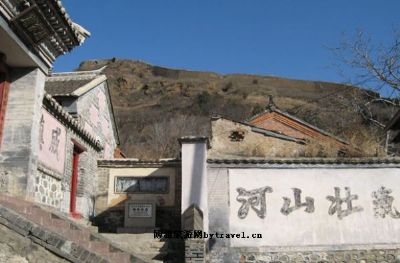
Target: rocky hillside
(155, 105)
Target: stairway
(61, 234)
(147, 247)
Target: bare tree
(161, 136)
(374, 67)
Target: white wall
(318, 228)
(194, 177)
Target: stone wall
(192, 219)
(48, 189)
(15, 248)
(351, 256)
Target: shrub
(257, 109)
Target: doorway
(78, 150)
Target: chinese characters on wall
(52, 143)
(341, 205)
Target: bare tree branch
(376, 67)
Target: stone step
(159, 245)
(153, 255)
(146, 246)
(67, 229)
(120, 257)
(99, 246)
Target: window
(237, 136)
(139, 184)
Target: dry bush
(366, 144)
(159, 139)
(323, 149)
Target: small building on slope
(273, 133)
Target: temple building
(50, 144)
(33, 34)
(77, 127)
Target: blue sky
(280, 38)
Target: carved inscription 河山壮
(383, 203)
(253, 198)
(337, 202)
(287, 209)
(342, 206)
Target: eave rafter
(45, 27)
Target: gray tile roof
(263, 131)
(56, 109)
(64, 87)
(131, 162)
(310, 161)
(66, 83)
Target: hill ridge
(154, 105)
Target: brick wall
(18, 149)
(20, 173)
(97, 117)
(53, 189)
(87, 177)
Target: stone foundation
(348, 256)
(47, 190)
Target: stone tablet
(140, 214)
(140, 210)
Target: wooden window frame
(138, 177)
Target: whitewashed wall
(318, 228)
(194, 176)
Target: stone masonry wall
(48, 190)
(192, 219)
(350, 256)
(15, 248)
